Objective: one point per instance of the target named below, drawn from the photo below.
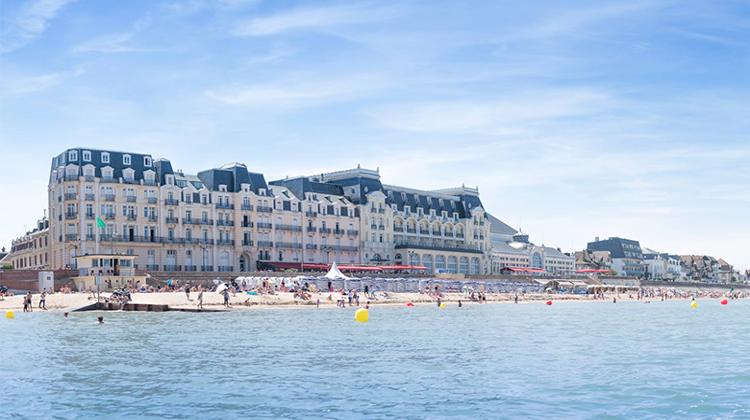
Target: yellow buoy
(10, 314)
(362, 315)
(693, 304)
(442, 305)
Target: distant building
(627, 258)
(30, 251)
(593, 260)
(512, 249)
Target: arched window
(452, 264)
(475, 265)
(440, 262)
(427, 262)
(464, 265)
(414, 259)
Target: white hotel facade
(231, 219)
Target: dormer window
(86, 156)
(105, 157)
(72, 155)
(126, 159)
(147, 161)
(107, 173)
(170, 179)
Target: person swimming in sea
(100, 319)
(460, 304)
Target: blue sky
(575, 119)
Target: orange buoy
(724, 301)
(549, 302)
(410, 304)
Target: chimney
(596, 239)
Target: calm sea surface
(570, 360)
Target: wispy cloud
(313, 18)
(296, 94)
(116, 43)
(23, 26)
(24, 85)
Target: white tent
(335, 274)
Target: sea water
(568, 360)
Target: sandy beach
(61, 302)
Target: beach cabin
(109, 271)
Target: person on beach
(187, 292)
(226, 298)
(438, 302)
(330, 287)
(43, 300)
(317, 303)
(200, 298)
(515, 298)
(27, 306)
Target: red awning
(359, 268)
(403, 267)
(592, 270)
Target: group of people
(28, 305)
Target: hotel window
(72, 155)
(105, 157)
(146, 161)
(86, 156)
(126, 159)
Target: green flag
(100, 223)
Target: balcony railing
(109, 197)
(247, 207)
(374, 227)
(264, 225)
(190, 221)
(71, 237)
(225, 242)
(338, 232)
(206, 241)
(411, 230)
(265, 244)
(90, 216)
(381, 227)
(190, 268)
(71, 215)
(152, 267)
(381, 211)
(152, 200)
(150, 182)
(152, 218)
(206, 222)
(225, 206)
(172, 268)
(70, 196)
(264, 209)
(131, 198)
(171, 202)
(225, 268)
(311, 229)
(207, 268)
(89, 178)
(289, 245)
(89, 197)
(220, 222)
(172, 220)
(109, 216)
(71, 177)
(352, 232)
(90, 237)
(247, 224)
(311, 213)
(311, 246)
(132, 216)
(436, 246)
(291, 228)
(325, 230)
(107, 180)
(247, 243)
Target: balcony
(152, 200)
(246, 207)
(338, 232)
(90, 237)
(311, 246)
(374, 227)
(206, 222)
(373, 210)
(172, 240)
(206, 241)
(130, 198)
(225, 206)
(71, 177)
(171, 202)
(264, 209)
(88, 178)
(149, 182)
(411, 230)
(311, 229)
(207, 268)
(247, 243)
(70, 196)
(225, 268)
(291, 228)
(191, 241)
(109, 216)
(381, 211)
(352, 232)
(89, 197)
(190, 268)
(225, 242)
(311, 213)
(107, 180)
(381, 227)
(90, 216)
(436, 247)
(172, 268)
(172, 220)
(220, 222)
(288, 245)
(71, 215)
(71, 237)
(153, 218)
(132, 216)
(247, 224)
(325, 230)
(264, 225)
(190, 221)
(265, 244)
(109, 197)
(460, 235)
(152, 267)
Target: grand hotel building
(231, 219)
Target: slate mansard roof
(137, 161)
